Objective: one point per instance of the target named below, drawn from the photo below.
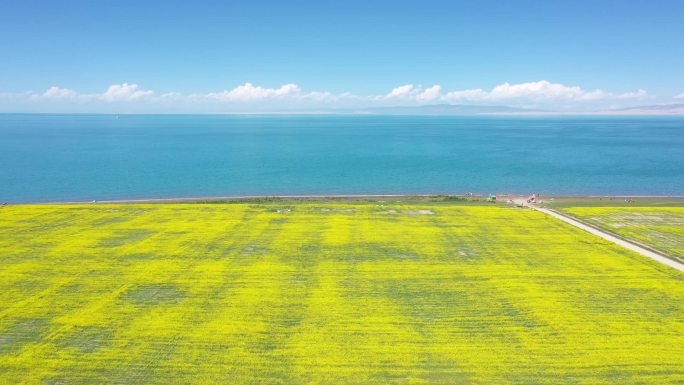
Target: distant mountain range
(461, 109)
(661, 109)
(444, 109)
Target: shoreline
(330, 196)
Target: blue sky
(267, 55)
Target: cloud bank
(125, 92)
(248, 92)
(430, 94)
(247, 97)
(538, 93)
(57, 93)
(400, 91)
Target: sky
(270, 56)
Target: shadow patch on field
(111, 220)
(154, 294)
(259, 244)
(29, 287)
(139, 257)
(625, 301)
(310, 248)
(77, 377)
(299, 287)
(123, 237)
(423, 298)
(365, 252)
(253, 249)
(87, 339)
(22, 332)
(444, 374)
(72, 290)
(146, 368)
(462, 251)
(431, 304)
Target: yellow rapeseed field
(318, 293)
(659, 227)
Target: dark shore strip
(603, 199)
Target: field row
(327, 294)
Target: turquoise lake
(96, 157)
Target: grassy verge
(658, 228)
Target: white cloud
(543, 88)
(249, 97)
(55, 92)
(171, 96)
(249, 92)
(400, 91)
(430, 94)
(680, 96)
(125, 92)
(321, 96)
(639, 94)
(540, 92)
(465, 95)
(115, 92)
(533, 90)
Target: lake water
(86, 157)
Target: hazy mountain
(442, 109)
(660, 109)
